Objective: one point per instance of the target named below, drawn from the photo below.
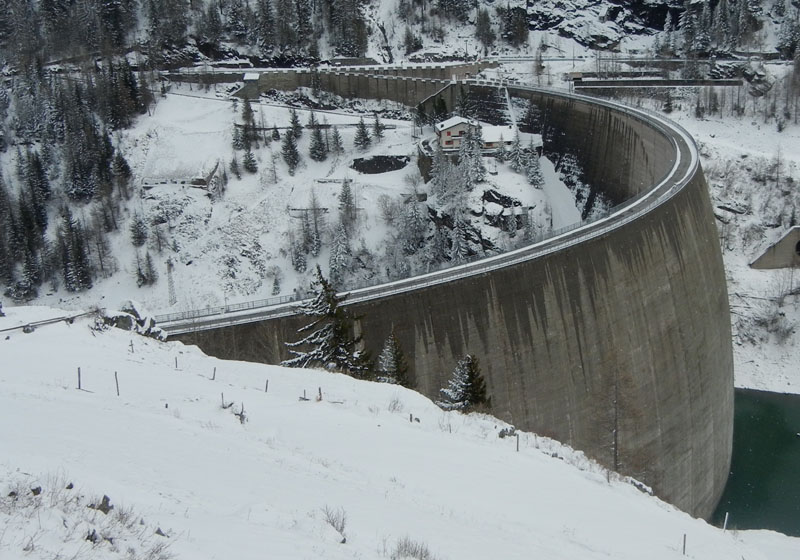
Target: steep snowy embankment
(166, 451)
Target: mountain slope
(165, 450)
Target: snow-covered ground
(171, 459)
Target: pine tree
(347, 206)
(317, 151)
(534, 170)
(377, 128)
(289, 151)
(341, 257)
(459, 248)
(329, 341)
(516, 155)
(299, 262)
(265, 25)
(337, 147)
(466, 389)
(249, 162)
(76, 268)
(362, 139)
(138, 230)
(247, 112)
(234, 166)
(294, 122)
(238, 138)
(483, 28)
(275, 134)
(392, 365)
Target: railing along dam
(613, 337)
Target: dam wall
(614, 337)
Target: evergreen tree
(289, 151)
(299, 262)
(265, 25)
(317, 151)
(275, 134)
(377, 128)
(328, 339)
(294, 122)
(362, 139)
(234, 166)
(249, 162)
(466, 389)
(247, 112)
(516, 155)
(347, 206)
(138, 230)
(392, 365)
(75, 265)
(534, 170)
(459, 248)
(483, 28)
(238, 138)
(412, 233)
(337, 147)
(341, 257)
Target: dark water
(763, 490)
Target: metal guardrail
(618, 216)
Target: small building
(785, 253)
(450, 132)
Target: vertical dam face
(614, 337)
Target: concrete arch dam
(613, 337)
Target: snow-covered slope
(384, 458)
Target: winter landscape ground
(279, 478)
(172, 459)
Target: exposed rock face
(597, 23)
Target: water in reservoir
(763, 489)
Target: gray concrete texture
(785, 253)
(632, 325)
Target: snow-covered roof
(491, 133)
(248, 76)
(453, 121)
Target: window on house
(448, 143)
(449, 133)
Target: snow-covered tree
(466, 389)
(328, 341)
(76, 267)
(483, 28)
(534, 170)
(249, 162)
(318, 151)
(294, 122)
(138, 230)
(459, 246)
(516, 155)
(341, 256)
(377, 128)
(289, 151)
(362, 139)
(392, 366)
(337, 147)
(347, 206)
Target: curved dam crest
(614, 338)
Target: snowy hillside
(346, 476)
